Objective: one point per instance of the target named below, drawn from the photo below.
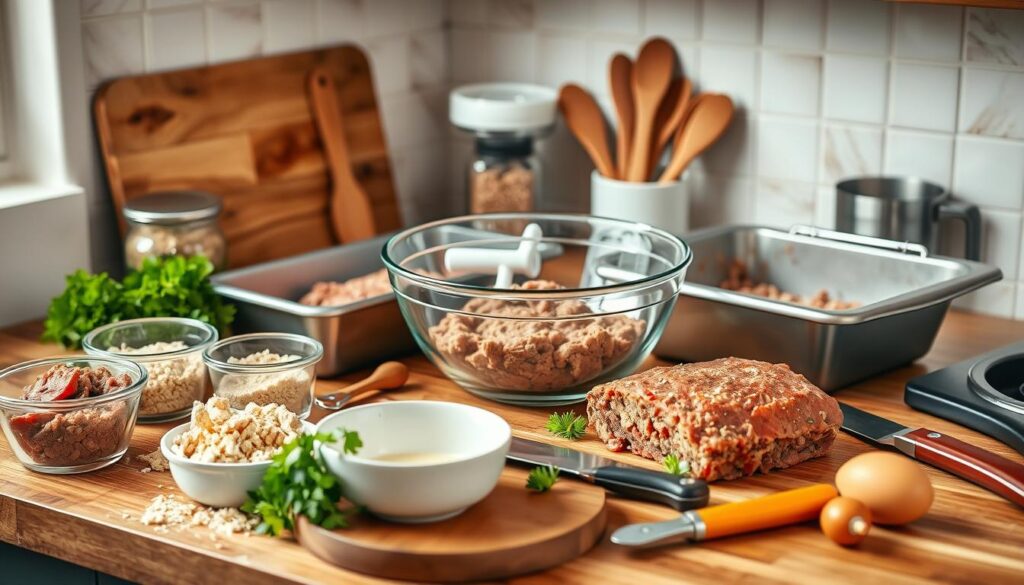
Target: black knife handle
(681, 493)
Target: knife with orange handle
(780, 509)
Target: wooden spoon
(620, 80)
(710, 117)
(351, 214)
(387, 376)
(652, 75)
(585, 120)
(672, 113)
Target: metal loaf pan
(354, 335)
(905, 295)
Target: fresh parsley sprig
(542, 478)
(673, 465)
(299, 483)
(567, 425)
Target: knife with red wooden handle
(992, 472)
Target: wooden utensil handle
(990, 471)
(788, 507)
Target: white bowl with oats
(221, 455)
(171, 349)
(265, 368)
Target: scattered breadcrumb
(293, 389)
(169, 511)
(220, 435)
(155, 461)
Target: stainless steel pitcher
(904, 209)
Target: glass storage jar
(505, 119)
(174, 223)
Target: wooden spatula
(710, 117)
(652, 75)
(620, 80)
(351, 213)
(670, 115)
(585, 120)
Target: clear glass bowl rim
(90, 348)
(509, 293)
(314, 356)
(141, 377)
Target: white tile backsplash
(850, 151)
(858, 26)
(564, 60)
(1000, 236)
(995, 36)
(176, 39)
(924, 96)
(793, 24)
(787, 148)
(919, 154)
(290, 25)
(113, 47)
(993, 103)
(989, 172)
(824, 89)
(927, 156)
(928, 32)
(790, 84)
(235, 31)
(734, 21)
(616, 16)
(341, 20)
(673, 19)
(105, 7)
(855, 88)
(784, 203)
(732, 71)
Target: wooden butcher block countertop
(970, 535)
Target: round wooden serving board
(511, 532)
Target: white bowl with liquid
(421, 461)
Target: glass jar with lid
(505, 120)
(174, 223)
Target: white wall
(826, 89)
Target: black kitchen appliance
(984, 393)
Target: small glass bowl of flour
(171, 349)
(265, 368)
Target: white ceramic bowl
(473, 441)
(221, 485)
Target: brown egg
(893, 486)
(845, 520)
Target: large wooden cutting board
(244, 131)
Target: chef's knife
(681, 493)
(992, 472)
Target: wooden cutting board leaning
(245, 131)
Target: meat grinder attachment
(525, 259)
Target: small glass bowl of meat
(70, 414)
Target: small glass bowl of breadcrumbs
(171, 350)
(265, 368)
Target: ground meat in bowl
(529, 355)
(75, 437)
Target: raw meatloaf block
(728, 417)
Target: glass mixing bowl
(593, 313)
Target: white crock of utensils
(387, 376)
(525, 259)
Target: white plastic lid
(502, 107)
